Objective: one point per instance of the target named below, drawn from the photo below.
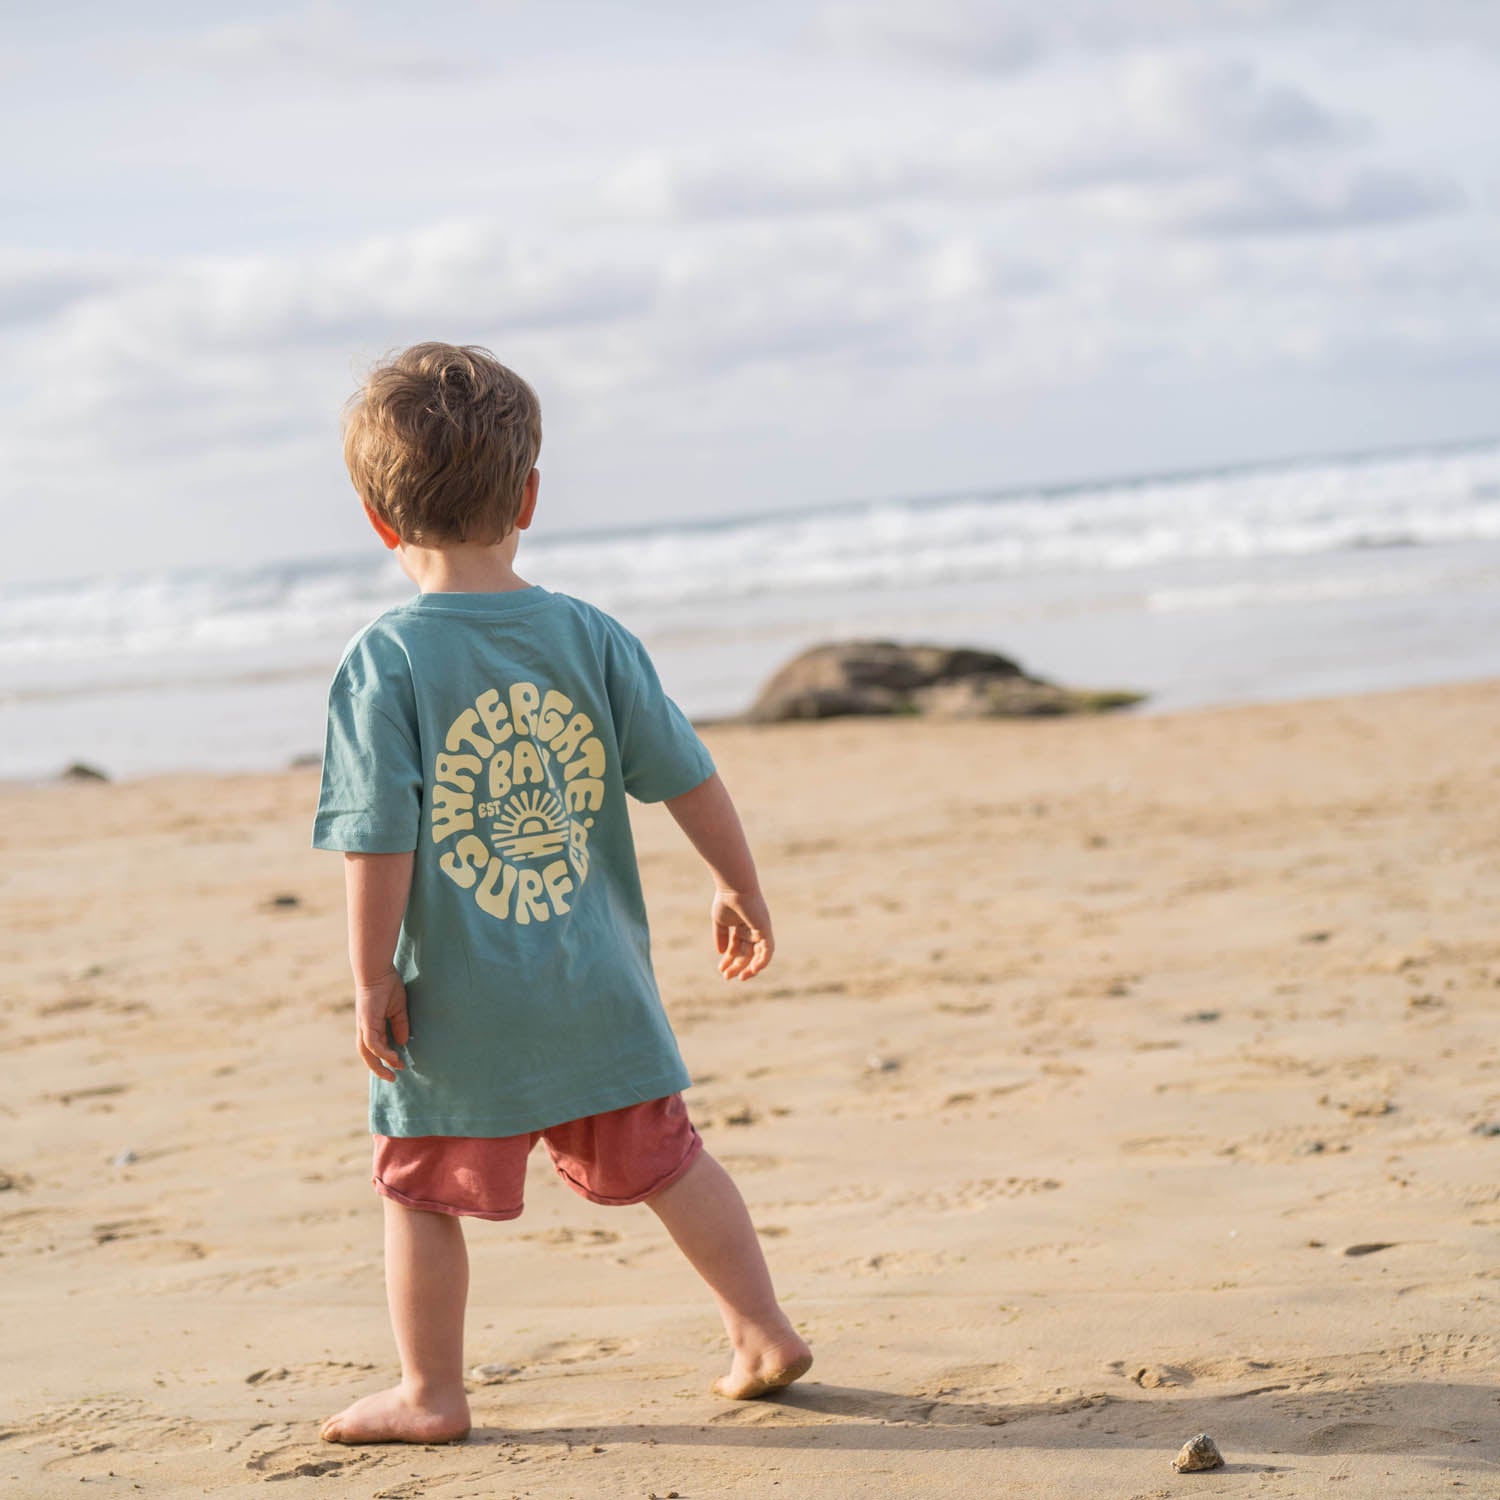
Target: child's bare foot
(769, 1369)
(394, 1416)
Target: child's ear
(383, 529)
(528, 500)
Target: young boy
(482, 738)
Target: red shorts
(622, 1156)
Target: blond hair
(440, 442)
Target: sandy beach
(1116, 1079)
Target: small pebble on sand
(1200, 1452)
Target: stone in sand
(1200, 1452)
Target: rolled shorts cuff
(431, 1206)
(661, 1184)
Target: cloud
(961, 35)
(35, 288)
(324, 42)
(448, 273)
(967, 269)
(681, 187)
(1008, 36)
(1263, 204)
(1151, 120)
(243, 361)
(1226, 101)
(228, 372)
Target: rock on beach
(886, 678)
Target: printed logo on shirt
(516, 787)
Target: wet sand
(1115, 1080)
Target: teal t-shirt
(497, 735)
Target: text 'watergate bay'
(528, 768)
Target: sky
(752, 258)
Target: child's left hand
(742, 933)
(377, 1005)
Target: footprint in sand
(976, 1379)
(319, 1372)
(755, 1414)
(32, 1231)
(255, 1279)
(1375, 1437)
(88, 1095)
(966, 1197)
(902, 1263)
(740, 1162)
(1164, 1145)
(303, 1461)
(576, 1239)
(581, 1351)
(68, 1004)
(565, 1353)
(142, 1240)
(131, 1426)
(1235, 1369)
(1447, 1352)
(125, 1229)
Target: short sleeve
(661, 755)
(371, 797)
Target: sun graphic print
(515, 791)
(531, 825)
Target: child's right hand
(742, 933)
(377, 1004)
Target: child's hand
(742, 933)
(375, 1004)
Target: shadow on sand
(1275, 1418)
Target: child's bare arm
(377, 886)
(741, 922)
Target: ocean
(1274, 581)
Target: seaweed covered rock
(883, 677)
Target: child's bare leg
(427, 1285)
(704, 1213)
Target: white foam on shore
(1065, 575)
